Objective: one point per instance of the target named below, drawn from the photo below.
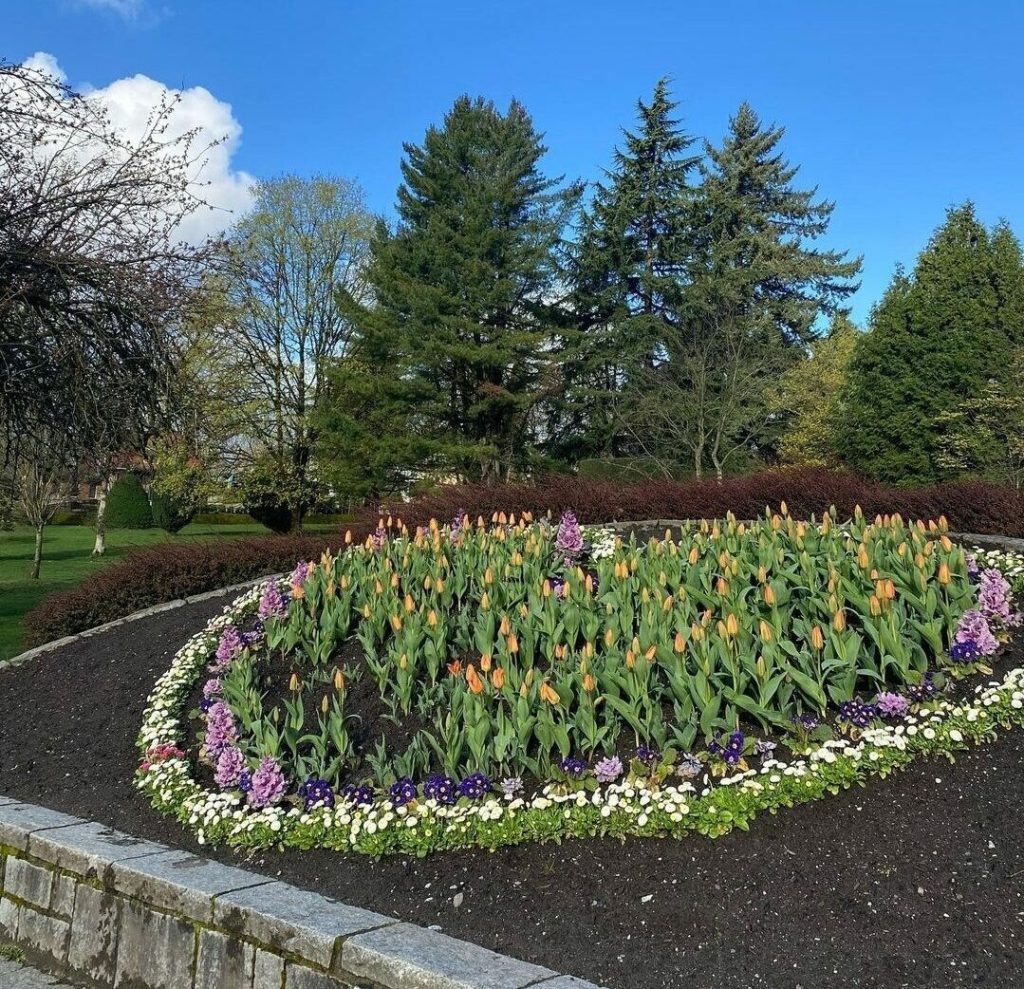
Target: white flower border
(628, 807)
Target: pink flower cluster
(974, 628)
(268, 784)
(272, 603)
(569, 539)
(158, 753)
(230, 766)
(230, 645)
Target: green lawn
(67, 562)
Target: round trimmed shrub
(170, 514)
(128, 504)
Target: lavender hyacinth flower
(608, 770)
(268, 784)
(230, 766)
(230, 645)
(994, 599)
(891, 705)
(212, 687)
(569, 540)
(272, 603)
(220, 729)
(301, 572)
(973, 627)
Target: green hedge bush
(128, 504)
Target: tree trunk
(37, 558)
(698, 462)
(100, 546)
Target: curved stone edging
(95, 904)
(155, 609)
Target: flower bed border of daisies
(638, 805)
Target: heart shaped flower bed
(475, 684)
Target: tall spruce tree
(755, 286)
(464, 286)
(935, 340)
(628, 271)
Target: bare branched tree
(93, 275)
(42, 481)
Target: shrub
(970, 506)
(166, 572)
(224, 518)
(169, 513)
(128, 504)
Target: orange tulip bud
(769, 595)
(294, 683)
(679, 645)
(548, 693)
(944, 575)
(589, 683)
(766, 631)
(485, 661)
(839, 620)
(513, 644)
(732, 625)
(817, 638)
(874, 606)
(473, 681)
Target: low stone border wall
(96, 905)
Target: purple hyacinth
(994, 599)
(272, 603)
(268, 784)
(230, 766)
(212, 687)
(402, 791)
(316, 792)
(220, 729)
(573, 767)
(857, 713)
(891, 705)
(301, 572)
(457, 522)
(230, 645)
(361, 794)
(511, 786)
(608, 770)
(380, 538)
(440, 788)
(475, 786)
(973, 627)
(569, 540)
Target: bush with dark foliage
(169, 513)
(166, 572)
(128, 504)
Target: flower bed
(528, 683)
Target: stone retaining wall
(103, 907)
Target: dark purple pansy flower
(648, 756)
(316, 792)
(857, 713)
(440, 788)
(402, 791)
(475, 787)
(574, 767)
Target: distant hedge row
(172, 570)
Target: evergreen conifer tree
(935, 340)
(464, 288)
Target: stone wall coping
(93, 903)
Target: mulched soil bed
(909, 882)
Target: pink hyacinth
(569, 539)
(212, 688)
(268, 784)
(230, 765)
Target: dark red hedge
(170, 571)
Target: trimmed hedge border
(101, 906)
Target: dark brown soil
(909, 882)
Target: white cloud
(128, 9)
(131, 100)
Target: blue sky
(894, 109)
